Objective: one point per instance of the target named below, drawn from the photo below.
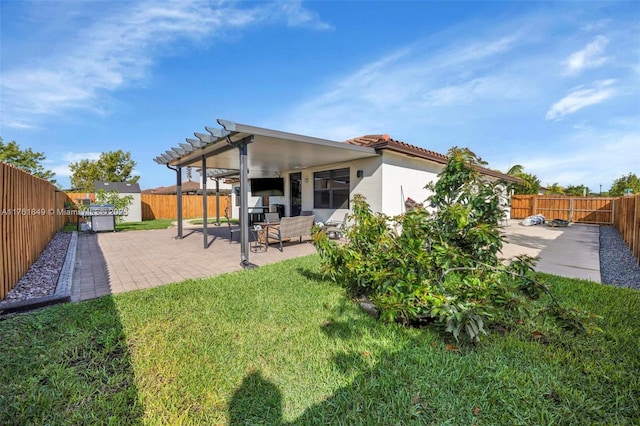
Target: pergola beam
(195, 143)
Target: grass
(131, 226)
(145, 225)
(279, 345)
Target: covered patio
(243, 151)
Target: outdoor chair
(227, 215)
(336, 228)
(290, 227)
(271, 217)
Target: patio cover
(239, 150)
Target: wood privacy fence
(622, 212)
(163, 206)
(32, 211)
(156, 206)
(596, 210)
(627, 221)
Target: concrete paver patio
(116, 262)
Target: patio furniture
(259, 243)
(336, 228)
(290, 227)
(227, 215)
(271, 217)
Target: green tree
(529, 183)
(120, 202)
(555, 189)
(112, 166)
(577, 190)
(630, 181)
(444, 265)
(26, 159)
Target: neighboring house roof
(121, 187)
(188, 187)
(385, 142)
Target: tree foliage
(555, 189)
(26, 159)
(443, 267)
(119, 202)
(529, 183)
(630, 181)
(577, 190)
(112, 166)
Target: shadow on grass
(377, 386)
(256, 402)
(67, 364)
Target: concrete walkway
(116, 262)
(572, 251)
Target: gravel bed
(618, 267)
(42, 277)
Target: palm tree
(555, 189)
(529, 184)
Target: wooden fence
(156, 206)
(627, 221)
(32, 211)
(162, 206)
(596, 210)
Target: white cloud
(61, 167)
(406, 85)
(72, 157)
(580, 98)
(589, 57)
(118, 49)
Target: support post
(179, 200)
(204, 203)
(178, 171)
(218, 201)
(244, 199)
(244, 208)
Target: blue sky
(552, 86)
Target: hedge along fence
(157, 206)
(32, 211)
(627, 221)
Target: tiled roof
(385, 142)
(188, 186)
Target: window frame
(331, 189)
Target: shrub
(443, 266)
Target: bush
(443, 266)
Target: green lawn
(144, 225)
(279, 345)
(130, 226)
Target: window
(331, 189)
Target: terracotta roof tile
(384, 141)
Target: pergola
(235, 149)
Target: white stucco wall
(405, 177)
